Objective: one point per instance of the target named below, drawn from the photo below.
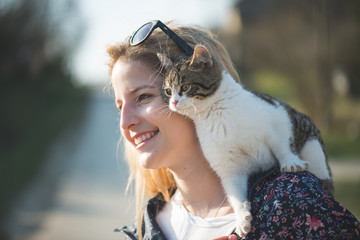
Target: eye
(168, 92)
(142, 97)
(185, 87)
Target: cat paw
(294, 164)
(243, 220)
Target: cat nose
(174, 102)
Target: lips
(143, 137)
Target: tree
(37, 95)
(304, 40)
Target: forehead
(135, 72)
(130, 77)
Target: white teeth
(143, 137)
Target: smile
(142, 138)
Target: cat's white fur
(314, 154)
(240, 133)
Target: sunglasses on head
(140, 35)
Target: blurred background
(62, 173)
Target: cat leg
(314, 154)
(289, 161)
(236, 189)
(292, 163)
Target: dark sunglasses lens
(141, 34)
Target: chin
(148, 162)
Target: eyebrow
(142, 87)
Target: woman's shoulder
(290, 190)
(289, 183)
(297, 205)
(150, 228)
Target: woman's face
(161, 138)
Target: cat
(240, 131)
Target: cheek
(184, 129)
(125, 135)
(158, 109)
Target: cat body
(241, 132)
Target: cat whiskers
(196, 111)
(164, 112)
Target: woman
(178, 195)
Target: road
(79, 193)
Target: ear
(200, 58)
(165, 61)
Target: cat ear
(165, 61)
(200, 58)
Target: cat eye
(140, 35)
(185, 87)
(168, 92)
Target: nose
(129, 116)
(174, 102)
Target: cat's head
(190, 81)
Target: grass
(348, 194)
(339, 146)
(344, 137)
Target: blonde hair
(150, 182)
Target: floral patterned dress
(297, 206)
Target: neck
(201, 190)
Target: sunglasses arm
(188, 50)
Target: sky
(107, 21)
